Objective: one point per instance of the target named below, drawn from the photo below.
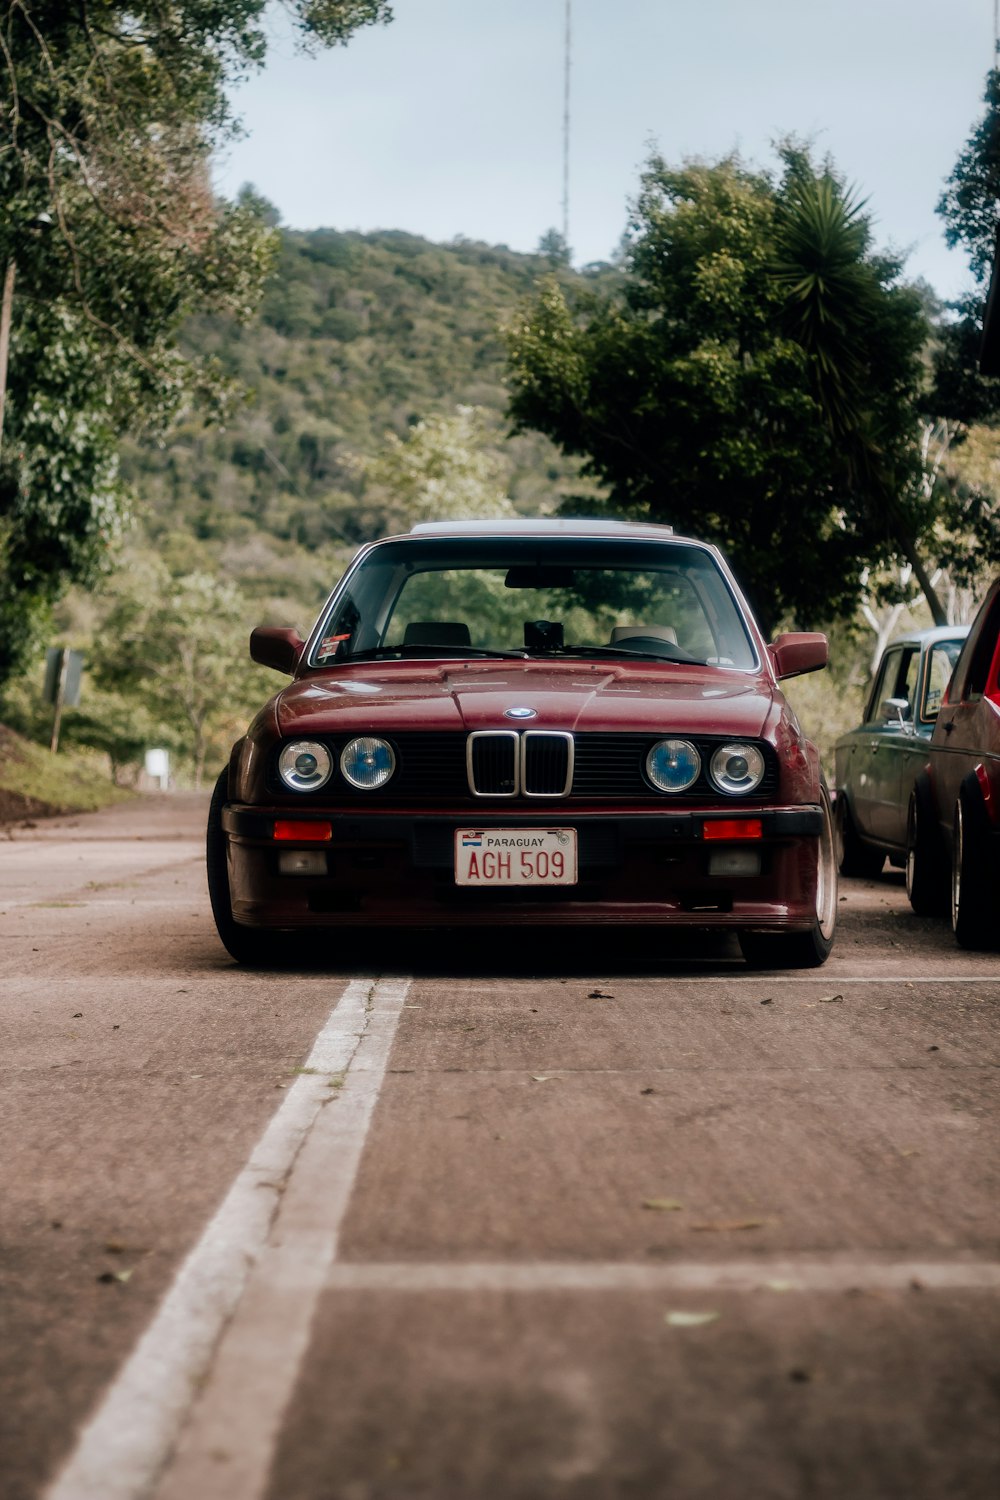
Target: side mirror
(896, 711)
(796, 652)
(277, 646)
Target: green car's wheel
(856, 857)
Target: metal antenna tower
(566, 73)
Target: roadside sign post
(63, 674)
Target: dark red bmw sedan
(529, 722)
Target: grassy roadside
(36, 784)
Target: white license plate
(515, 856)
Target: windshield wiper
(429, 650)
(682, 659)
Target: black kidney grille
(546, 764)
(493, 764)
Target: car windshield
(587, 597)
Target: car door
(894, 747)
(863, 769)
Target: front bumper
(397, 869)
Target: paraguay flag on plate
(472, 840)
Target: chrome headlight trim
(737, 769)
(305, 765)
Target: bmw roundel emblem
(519, 713)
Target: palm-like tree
(858, 331)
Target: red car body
(760, 863)
(953, 824)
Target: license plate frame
(508, 858)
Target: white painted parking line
(227, 1449)
(124, 1446)
(787, 1273)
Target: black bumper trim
(429, 837)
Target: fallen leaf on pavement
(723, 1226)
(689, 1319)
(541, 1077)
(663, 1205)
(599, 995)
(830, 999)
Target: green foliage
(753, 380)
(176, 648)
(970, 203)
(34, 781)
(554, 247)
(970, 207)
(108, 115)
(443, 468)
(359, 336)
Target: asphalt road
(524, 1217)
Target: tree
(110, 237)
(555, 249)
(177, 648)
(444, 468)
(754, 382)
(970, 207)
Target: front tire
(803, 950)
(926, 863)
(974, 885)
(248, 945)
(856, 858)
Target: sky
(449, 121)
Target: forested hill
(359, 335)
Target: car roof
(561, 526)
(929, 637)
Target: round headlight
(367, 762)
(673, 765)
(737, 769)
(305, 766)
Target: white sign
(158, 764)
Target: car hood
(566, 695)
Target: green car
(876, 763)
